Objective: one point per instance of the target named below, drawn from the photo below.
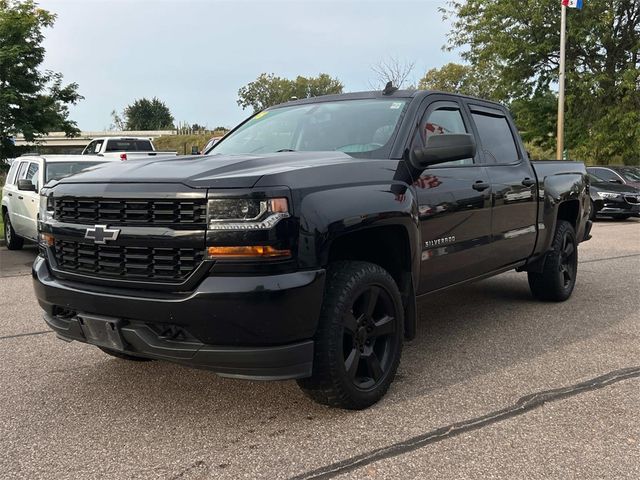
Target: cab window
(496, 138)
(444, 121)
(32, 174)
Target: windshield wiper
(285, 150)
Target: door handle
(10, 194)
(20, 197)
(480, 185)
(528, 182)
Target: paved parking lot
(495, 385)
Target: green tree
(458, 78)
(268, 90)
(519, 43)
(32, 102)
(145, 114)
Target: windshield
(58, 170)
(357, 127)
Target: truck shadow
(462, 333)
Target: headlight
(245, 213)
(46, 208)
(608, 194)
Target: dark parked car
(297, 248)
(621, 174)
(613, 199)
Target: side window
(22, 170)
(32, 174)
(11, 176)
(444, 121)
(89, 148)
(496, 138)
(605, 174)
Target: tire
(14, 242)
(358, 343)
(124, 356)
(558, 278)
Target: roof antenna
(389, 89)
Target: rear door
(454, 201)
(513, 185)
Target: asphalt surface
(496, 385)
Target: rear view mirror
(615, 180)
(444, 148)
(26, 185)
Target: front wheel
(359, 339)
(558, 278)
(14, 242)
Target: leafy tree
(32, 102)
(457, 78)
(268, 90)
(519, 43)
(145, 114)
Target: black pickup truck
(298, 246)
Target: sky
(195, 55)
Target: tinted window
(129, 146)
(606, 174)
(444, 121)
(496, 138)
(630, 174)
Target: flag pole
(560, 136)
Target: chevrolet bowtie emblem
(101, 233)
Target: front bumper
(619, 208)
(251, 327)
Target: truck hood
(208, 171)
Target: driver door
(454, 206)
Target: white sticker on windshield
(396, 105)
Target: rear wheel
(124, 356)
(14, 242)
(359, 339)
(558, 278)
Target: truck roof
(377, 94)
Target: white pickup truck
(20, 195)
(124, 148)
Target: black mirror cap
(26, 185)
(444, 148)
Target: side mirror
(444, 148)
(194, 150)
(615, 180)
(26, 185)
